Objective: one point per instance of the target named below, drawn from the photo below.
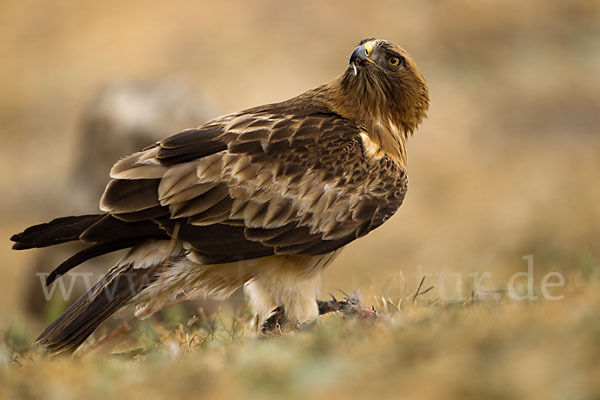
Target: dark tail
(112, 292)
(106, 232)
(59, 230)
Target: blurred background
(506, 165)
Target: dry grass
(423, 349)
(506, 166)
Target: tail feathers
(111, 293)
(109, 233)
(59, 230)
(95, 250)
(88, 228)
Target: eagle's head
(384, 83)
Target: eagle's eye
(393, 61)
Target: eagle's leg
(277, 321)
(284, 296)
(350, 306)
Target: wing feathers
(263, 235)
(123, 196)
(210, 168)
(188, 193)
(217, 213)
(201, 203)
(190, 145)
(292, 237)
(145, 214)
(177, 178)
(142, 165)
(254, 135)
(251, 185)
(110, 228)
(279, 212)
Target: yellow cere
(368, 47)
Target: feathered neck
(387, 122)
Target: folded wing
(259, 183)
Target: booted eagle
(264, 198)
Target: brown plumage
(264, 198)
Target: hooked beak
(361, 54)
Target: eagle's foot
(349, 306)
(278, 323)
(274, 324)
